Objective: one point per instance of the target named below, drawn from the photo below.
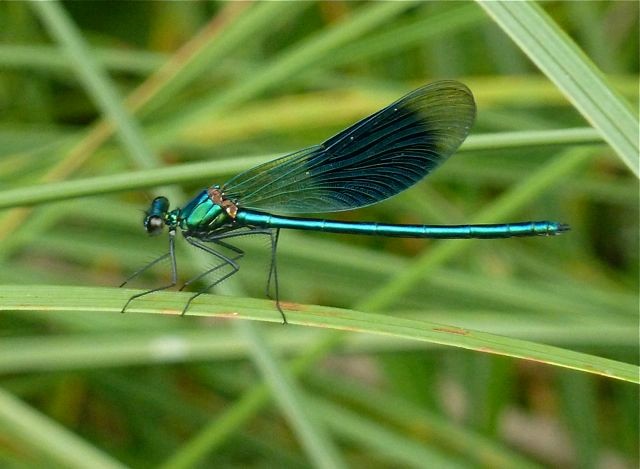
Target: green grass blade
(119, 182)
(421, 422)
(388, 40)
(531, 138)
(108, 300)
(555, 53)
(229, 30)
(127, 348)
(62, 446)
(298, 59)
(185, 173)
(501, 208)
(47, 58)
(578, 399)
(95, 79)
(383, 441)
(217, 432)
(284, 389)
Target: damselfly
(372, 160)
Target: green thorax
(201, 215)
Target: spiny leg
(226, 261)
(145, 268)
(273, 272)
(223, 234)
(217, 239)
(211, 285)
(174, 271)
(239, 252)
(274, 235)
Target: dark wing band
(372, 160)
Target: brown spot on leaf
(487, 349)
(452, 330)
(286, 305)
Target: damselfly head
(154, 221)
(153, 225)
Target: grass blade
(312, 436)
(57, 442)
(185, 173)
(502, 207)
(95, 79)
(555, 53)
(381, 440)
(109, 300)
(296, 60)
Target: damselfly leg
(225, 261)
(174, 272)
(218, 239)
(273, 272)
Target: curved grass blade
(293, 402)
(48, 436)
(555, 53)
(109, 300)
(95, 79)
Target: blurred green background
(230, 85)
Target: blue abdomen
(503, 230)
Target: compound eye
(154, 225)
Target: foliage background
(267, 79)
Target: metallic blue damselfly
(372, 160)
